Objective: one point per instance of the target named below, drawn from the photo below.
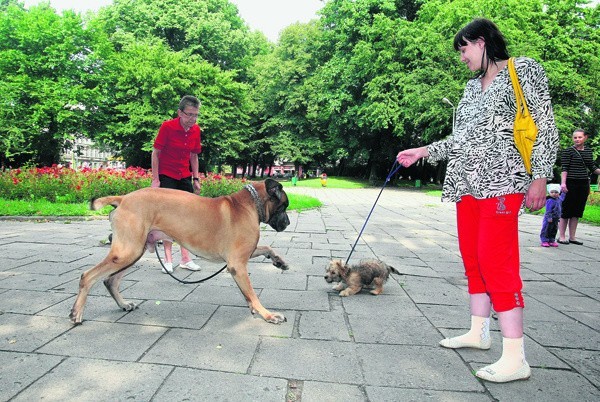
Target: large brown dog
(224, 228)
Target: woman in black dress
(577, 162)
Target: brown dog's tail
(394, 270)
(96, 204)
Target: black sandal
(576, 242)
(563, 241)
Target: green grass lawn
(298, 202)
(332, 182)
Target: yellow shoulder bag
(525, 130)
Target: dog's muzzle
(279, 221)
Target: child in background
(551, 217)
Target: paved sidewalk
(199, 342)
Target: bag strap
(582, 160)
(521, 104)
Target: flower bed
(66, 185)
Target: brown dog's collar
(257, 202)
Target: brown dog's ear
(273, 188)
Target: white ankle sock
(512, 365)
(477, 337)
(480, 330)
(513, 356)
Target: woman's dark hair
(495, 44)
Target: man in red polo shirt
(176, 148)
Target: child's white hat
(553, 187)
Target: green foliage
(148, 82)
(561, 35)
(217, 185)
(209, 29)
(346, 91)
(165, 49)
(58, 184)
(47, 64)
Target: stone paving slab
(324, 325)
(321, 391)
(27, 333)
(19, 370)
(29, 302)
(93, 380)
(202, 385)
(101, 340)
(308, 360)
(204, 350)
(232, 321)
(200, 342)
(547, 385)
(416, 367)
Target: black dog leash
(393, 171)
(179, 280)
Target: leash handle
(393, 171)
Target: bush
(66, 185)
(594, 198)
(215, 185)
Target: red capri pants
(488, 238)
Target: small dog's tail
(98, 203)
(394, 270)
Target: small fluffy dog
(355, 277)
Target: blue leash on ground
(393, 171)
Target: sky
(267, 16)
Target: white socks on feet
(478, 336)
(511, 366)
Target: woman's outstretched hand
(410, 156)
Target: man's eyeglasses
(190, 115)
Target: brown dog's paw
(74, 319)
(276, 318)
(130, 306)
(279, 262)
(350, 291)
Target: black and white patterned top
(482, 158)
(576, 163)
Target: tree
(561, 35)
(165, 49)
(147, 82)
(210, 29)
(47, 64)
(358, 94)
